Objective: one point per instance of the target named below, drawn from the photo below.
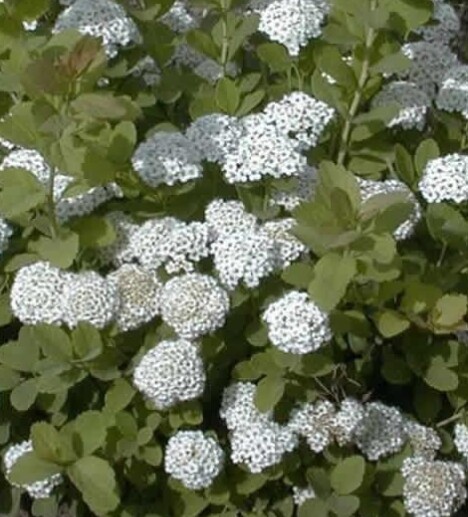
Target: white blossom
(423, 440)
(6, 231)
(296, 324)
(446, 27)
(225, 217)
(445, 179)
(346, 421)
(303, 494)
(453, 91)
(193, 458)
(194, 305)
(288, 247)
(169, 373)
(314, 421)
(461, 440)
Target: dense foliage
(233, 258)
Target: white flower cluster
(453, 91)
(314, 421)
(289, 248)
(445, 179)
(370, 188)
(424, 440)
(215, 136)
(300, 116)
(461, 440)
(446, 27)
(170, 373)
(39, 489)
(293, 22)
(139, 294)
(120, 251)
(256, 440)
(169, 242)
(6, 231)
(262, 151)
(414, 104)
(430, 61)
(296, 325)
(302, 190)
(193, 458)
(433, 488)
(194, 305)
(349, 415)
(180, 18)
(167, 158)
(225, 217)
(301, 495)
(104, 19)
(66, 207)
(381, 432)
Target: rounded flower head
(225, 217)
(293, 22)
(381, 432)
(461, 440)
(445, 179)
(215, 136)
(37, 294)
(414, 104)
(167, 158)
(288, 247)
(119, 252)
(423, 440)
(194, 459)
(39, 489)
(296, 324)
(430, 61)
(5, 233)
(433, 488)
(179, 18)
(261, 444)
(87, 297)
(262, 151)
(238, 408)
(446, 27)
(244, 256)
(346, 421)
(453, 91)
(314, 421)
(138, 291)
(170, 373)
(300, 116)
(370, 188)
(194, 305)
(104, 19)
(30, 160)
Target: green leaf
(391, 64)
(394, 369)
(404, 165)
(446, 224)
(95, 479)
(46, 439)
(345, 505)
(249, 102)
(246, 28)
(256, 334)
(119, 396)
(439, 377)
(19, 127)
(29, 468)
(20, 191)
(30, 9)
(106, 106)
(60, 251)
(227, 95)
(269, 392)
(54, 341)
(330, 61)
(348, 475)
(8, 378)
(449, 310)
(332, 275)
(313, 508)
(24, 395)
(427, 150)
(391, 323)
(87, 342)
(20, 357)
(90, 429)
(275, 56)
(123, 142)
(94, 231)
(299, 275)
(413, 13)
(202, 42)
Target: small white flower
(315, 422)
(445, 179)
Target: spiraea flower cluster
(104, 19)
(194, 305)
(446, 24)
(433, 488)
(169, 373)
(371, 188)
(445, 179)
(301, 495)
(296, 324)
(39, 489)
(453, 91)
(414, 104)
(194, 459)
(293, 22)
(461, 440)
(6, 231)
(256, 440)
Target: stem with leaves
(357, 98)
(54, 229)
(225, 39)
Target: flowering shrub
(233, 258)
